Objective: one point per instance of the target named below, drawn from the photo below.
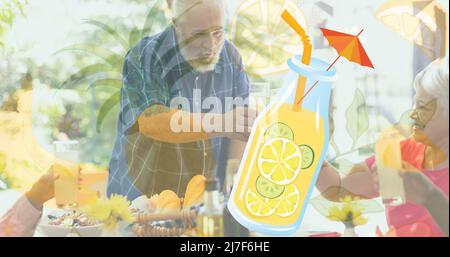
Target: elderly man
(168, 77)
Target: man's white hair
(434, 80)
(181, 7)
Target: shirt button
(205, 154)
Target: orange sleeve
(158, 126)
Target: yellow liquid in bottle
(209, 225)
(307, 129)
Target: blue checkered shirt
(154, 73)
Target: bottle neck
(317, 98)
(211, 200)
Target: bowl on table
(61, 223)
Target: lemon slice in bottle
(280, 161)
(288, 202)
(258, 205)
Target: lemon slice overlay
(280, 161)
(260, 206)
(263, 39)
(289, 201)
(418, 22)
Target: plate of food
(63, 223)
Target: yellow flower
(335, 213)
(348, 199)
(110, 223)
(349, 212)
(120, 206)
(359, 220)
(98, 210)
(111, 211)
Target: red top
(411, 219)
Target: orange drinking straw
(306, 59)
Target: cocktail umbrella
(423, 22)
(347, 46)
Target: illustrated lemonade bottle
(284, 154)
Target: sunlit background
(60, 73)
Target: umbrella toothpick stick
(369, 64)
(306, 59)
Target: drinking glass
(67, 169)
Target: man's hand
(238, 123)
(43, 189)
(418, 187)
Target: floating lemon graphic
(280, 161)
(421, 22)
(263, 39)
(289, 201)
(260, 206)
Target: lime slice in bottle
(268, 189)
(279, 130)
(307, 156)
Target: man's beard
(198, 63)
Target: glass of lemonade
(389, 165)
(92, 186)
(284, 154)
(67, 168)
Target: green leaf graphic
(106, 108)
(357, 117)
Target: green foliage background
(9, 9)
